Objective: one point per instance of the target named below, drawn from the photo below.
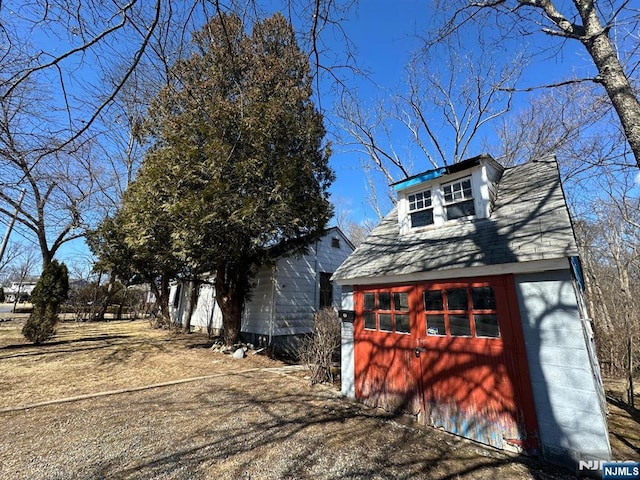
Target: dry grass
(92, 357)
(624, 422)
(246, 420)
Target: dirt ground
(120, 400)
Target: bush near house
(319, 350)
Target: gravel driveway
(255, 422)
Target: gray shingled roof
(530, 221)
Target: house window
(386, 311)
(326, 290)
(335, 242)
(458, 199)
(461, 312)
(420, 209)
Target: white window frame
(461, 199)
(412, 207)
(479, 194)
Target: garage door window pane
(385, 322)
(435, 325)
(483, 298)
(369, 301)
(401, 301)
(487, 326)
(459, 326)
(369, 320)
(384, 301)
(402, 323)
(457, 299)
(433, 300)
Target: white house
(284, 298)
(17, 290)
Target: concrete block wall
(572, 423)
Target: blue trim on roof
(409, 182)
(577, 271)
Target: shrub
(318, 350)
(40, 326)
(50, 291)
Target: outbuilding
(464, 307)
(284, 298)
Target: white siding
(285, 296)
(329, 259)
(298, 284)
(295, 295)
(258, 312)
(176, 301)
(207, 309)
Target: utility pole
(5, 241)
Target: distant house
(467, 310)
(285, 296)
(19, 290)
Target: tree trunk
(611, 74)
(17, 299)
(192, 299)
(231, 320)
(231, 302)
(107, 299)
(161, 292)
(630, 390)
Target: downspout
(316, 298)
(214, 303)
(274, 286)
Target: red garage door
(452, 352)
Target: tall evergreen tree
(238, 163)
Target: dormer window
(420, 209)
(445, 196)
(458, 199)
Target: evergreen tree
(47, 296)
(238, 171)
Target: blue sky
(384, 41)
(384, 37)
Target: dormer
(461, 192)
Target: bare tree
(11, 254)
(606, 30)
(574, 123)
(76, 79)
(609, 241)
(115, 39)
(356, 231)
(449, 103)
(23, 270)
(59, 182)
